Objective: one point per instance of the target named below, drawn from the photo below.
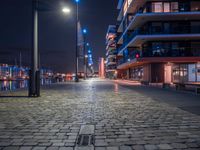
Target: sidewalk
(116, 117)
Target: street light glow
(66, 10)
(84, 31)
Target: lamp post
(77, 57)
(84, 55)
(34, 82)
(66, 11)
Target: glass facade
(137, 73)
(180, 73)
(171, 49)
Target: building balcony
(138, 37)
(111, 68)
(132, 7)
(111, 45)
(110, 63)
(111, 56)
(141, 18)
(111, 51)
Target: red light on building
(137, 56)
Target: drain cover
(85, 140)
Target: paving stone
(100, 143)
(178, 145)
(39, 148)
(84, 148)
(100, 148)
(164, 146)
(87, 129)
(125, 148)
(26, 148)
(112, 148)
(150, 147)
(66, 148)
(11, 148)
(53, 148)
(138, 147)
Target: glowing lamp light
(77, 1)
(87, 44)
(84, 31)
(66, 10)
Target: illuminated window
(195, 6)
(157, 7)
(166, 7)
(174, 7)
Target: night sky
(56, 31)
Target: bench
(182, 86)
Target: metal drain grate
(85, 140)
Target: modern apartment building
(111, 52)
(159, 40)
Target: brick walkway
(123, 119)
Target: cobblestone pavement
(123, 119)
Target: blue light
(87, 44)
(84, 31)
(77, 1)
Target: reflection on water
(19, 84)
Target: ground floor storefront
(163, 73)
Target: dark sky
(56, 31)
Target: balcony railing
(178, 52)
(162, 52)
(178, 30)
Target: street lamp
(67, 11)
(84, 55)
(77, 57)
(34, 82)
(84, 31)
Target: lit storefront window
(137, 73)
